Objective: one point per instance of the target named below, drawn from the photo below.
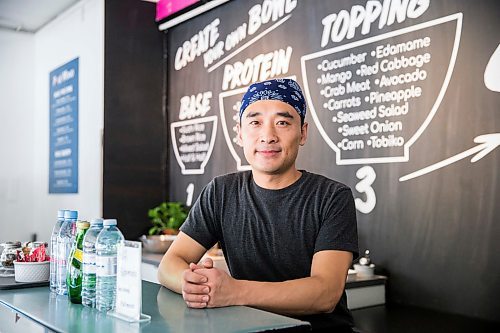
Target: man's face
(270, 134)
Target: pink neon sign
(165, 8)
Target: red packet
(32, 255)
(39, 254)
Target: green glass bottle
(75, 264)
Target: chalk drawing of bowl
(392, 86)
(193, 142)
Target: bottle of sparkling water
(65, 240)
(53, 250)
(106, 247)
(88, 281)
(75, 264)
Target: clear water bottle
(89, 266)
(65, 240)
(53, 250)
(106, 247)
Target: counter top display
(168, 313)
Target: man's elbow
(329, 301)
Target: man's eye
(282, 123)
(254, 122)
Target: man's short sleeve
(201, 221)
(338, 230)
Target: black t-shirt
(272, 235)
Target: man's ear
(303, 134)
(239, 141)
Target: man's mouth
(268, 152)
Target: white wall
(17, 72)
(25, 64)
(79, 32)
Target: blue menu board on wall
(63, 129)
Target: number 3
(367, 176)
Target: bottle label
(105, 265)
(89, 264)
(78, 255)
(62, 256)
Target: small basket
(364, 270)
(31, 271)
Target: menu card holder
(128, 304)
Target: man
(288, 236)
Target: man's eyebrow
(285, 114)
(253, 114)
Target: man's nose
(268, 134)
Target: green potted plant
(167, 218)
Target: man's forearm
(170, 272)
(309, 295)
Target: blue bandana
(285, 90)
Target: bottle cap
(97, 221)
(82, 225)
(60, 213)
(108, 222)
(70, 214)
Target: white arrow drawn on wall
(487, 143)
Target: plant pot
(170, 231)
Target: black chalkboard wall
(401, 96)
(133, 168)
